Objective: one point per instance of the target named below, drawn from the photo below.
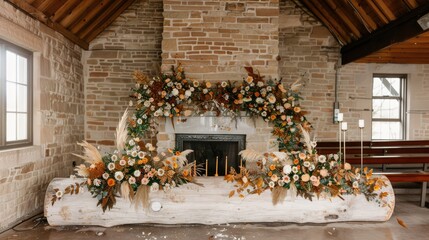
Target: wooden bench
(385, 153)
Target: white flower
(281, 183)
(144, 116)
(122, 162)
(130, 103)
(306, 164)
(111, 166)
(154, 187)
(269, 88)
(259, 100)
(59, 194)
(178, 86)
(313, 178)
(167, 187)
(355, 184)
(312, 167)
(271, 184)
(139, 121)
(132, 180)
(175, 92)
(145, 181)
(295, 177)
(105, 176)
(287, 169)
(131, 142)
(322, 158)
(260, 84)
(146, 103)
(161, 172)
(148, 145)
(114, 158)
(156, 159)
(188, 93)
(134, 154)
(141, 154)
(166, 113)
(347, 166)
(97, 182)
(244, 179)
(137, 173)
(224, 84)
(151, 99)
(271, 98)
(336, 157)
(192, 89)
(131, 162)
(264, 114)
(294, 169)
(196, 83)
(205, 91)
(119, 176)
(264, 161)
(247, 88)
(147, 168)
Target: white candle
(340, 117)
(344, 126)
(361, 123)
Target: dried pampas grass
(278, 195)
(121, 132)
(142, 197)
(307, 139)
(250, 155)
(91, 154)
(126, 191)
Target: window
(15, 96)
(388, 103)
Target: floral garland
(173, 95)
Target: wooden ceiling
(381, 31)
(78, 20)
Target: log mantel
(193, 204)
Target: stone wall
(214, 39)
(132, 42)
(58, 119)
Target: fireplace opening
(209, 147)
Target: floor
(407, 210)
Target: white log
(211, 205)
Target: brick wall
(214, 39)
(58, 116)
(132, 42)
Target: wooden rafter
(89, 16)
(411, 3)
(399, 30)
(350, 23)
(106, 20)
(385, 9)
(35, 13)
(65, 9)
(375, 8)
(368, 21)
(77, 12)
(321, 16)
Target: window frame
(7, 46)
(402, 106)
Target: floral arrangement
(133, 171)
(173, 95)
(304, 173)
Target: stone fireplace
(214, 41)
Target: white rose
(132, 180)
(188, 93)
(322, 158)
(175, 92)
(137, 173)
(139, 121)
(105, 176)
(119, 176)
(111, 166)
(154, 187)
(287, 169)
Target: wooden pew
(385, 153)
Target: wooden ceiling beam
(65, 9)
(38, 15)
(398, 30)
(106, 20)
(309, 5)
(76, 13)
(345, 16)
(369, 22)
(385, 9)
(410, 3)
(378, 12)
(89, 16)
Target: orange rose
(257, 94)
(111, 182)
(297, 109)
(295, 161)
(270, 173)
(185, 173)
(273, 117)
(272, 167)
(145, 160)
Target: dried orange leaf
(231, 193)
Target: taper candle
(207, 167)
(241, 164)
(340, 117)
(195, 168)
(217, 163)
(226, 165)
